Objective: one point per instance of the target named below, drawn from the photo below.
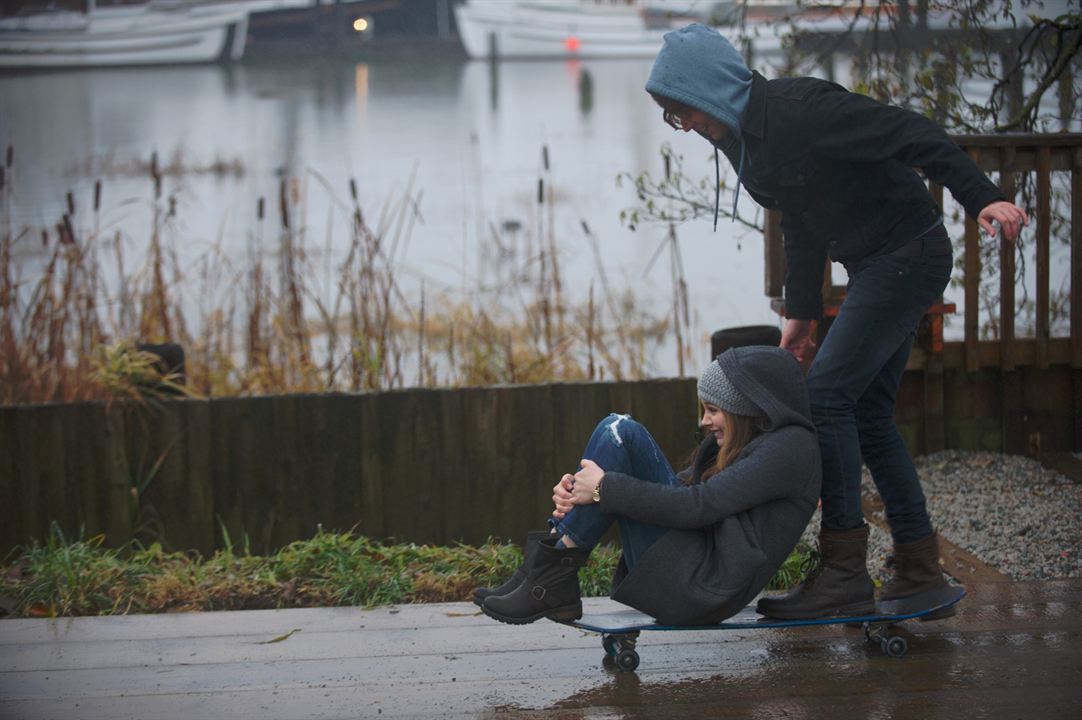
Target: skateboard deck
(620, 629)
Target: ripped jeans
(619, 444)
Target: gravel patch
(1011, 512)
(1008, 510)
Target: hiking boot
(529, 549)
(917, 571)
(550, 588)
(838, 585)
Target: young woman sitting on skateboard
(699, 544)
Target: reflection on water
(467, 138)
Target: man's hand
(797, 336)
(1009, 216)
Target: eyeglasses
(675, 120)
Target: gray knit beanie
(715, 388)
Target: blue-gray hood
(698, 67)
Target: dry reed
(264, 326)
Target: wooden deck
(1014, 651)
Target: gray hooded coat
(731, 532)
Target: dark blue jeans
(619, 444)
(853, 383)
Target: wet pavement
(1013, 651)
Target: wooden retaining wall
(429, 466)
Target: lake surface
(466, 140)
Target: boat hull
(108, 38)
(548, 30)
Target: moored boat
(561, 28)
(594, 28)
(124, 35)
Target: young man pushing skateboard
(840, 168)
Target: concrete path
(1014, 651)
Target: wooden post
(1076, 291)
(774, 261)
(1044, 222)
(1006, 267)
(972, 285)
(934, 425)
(1012, 397)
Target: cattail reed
(283, 204)
(258, 326)
(155, 175)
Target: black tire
(895, 646)
(611, 643)
(627, 660)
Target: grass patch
(63, 577)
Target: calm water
(464, 137)
(468, 140)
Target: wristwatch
(597, 492)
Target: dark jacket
(840, 168)
(731, 532)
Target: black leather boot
(838, 586)
(529, 549)
(916, 572)
(550, 588)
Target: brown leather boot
(916, 571)
(528, 551)
(839, 585)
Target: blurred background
(494, 157)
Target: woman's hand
(586, 479)
(561, 496)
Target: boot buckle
(538, 592)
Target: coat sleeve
(805, 261)
(855, 128)
(774, 470)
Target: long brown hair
(739, 431)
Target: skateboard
(620, 629)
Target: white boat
(592, 28)
(125, 35)
(562, 28)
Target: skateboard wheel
(895, 646)
(611, 643)
(627, 660)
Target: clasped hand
(577, 489)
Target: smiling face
(713, 421)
